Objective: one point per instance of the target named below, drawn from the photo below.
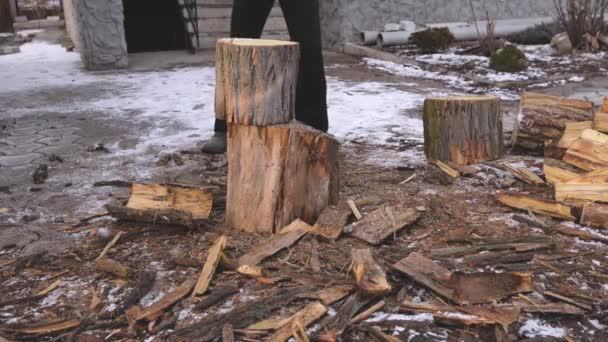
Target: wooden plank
(587, 155)
(446, 168)
(273, 245)
(425, 272)
(367, 313)
(538, 206)
(329, 295)
(382, 223)
(370, 277)
(213, 259)
(303, 318)
(581, 191)
(156, 310)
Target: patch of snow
(538, 328)
(151, 298)
(458, 315)
(576, 79)
(596, 324)
(412, 334)
(381, 317)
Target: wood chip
(155, 310)
(274, 244)
(382, 223)
(114, 267)
(447, 169)
(367, 313)
(49, 288)
(354, 209)
(213, 258)
(109, 245)
(370, 277)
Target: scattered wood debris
(524, 175)
(382, 223)
(109, 245)
(43, 327)
(332, 221)
(156, 310)
(168, 204)
(538, 206)
(447, 169)
(370, 277)
(302, 319)
(289, 235)
(213, 259)
(354, 209)
(114, 267)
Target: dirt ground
(49, 233)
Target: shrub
(509, 59)
(537, 35)
(433, 39)
(579, 17)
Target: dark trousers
(303, 23)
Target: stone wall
(97, 30)
(341, 20)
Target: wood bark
(595, 215)
(256, 81)
(463, 130)
(277, 174)
(543, 117)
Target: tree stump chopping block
(256, 81)
(463, 130)
(543, 118)
(277, 174)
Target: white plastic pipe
(503, 28)
(393, 38)
(369, 37)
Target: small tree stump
(463, 130)
(543, 117)
(277, 174)
(256, 81)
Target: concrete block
(8, 50)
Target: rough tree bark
(463, 130)
(256, 81)
(277, 174)
(543, 117)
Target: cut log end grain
(277, 174)
(543, 117)
(256, 81)
(463, 130)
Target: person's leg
(247, 21)
(304, 27)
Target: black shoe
(215, 145)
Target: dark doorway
(154, 25)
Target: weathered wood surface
(538, 206)
(213, 259)
(478, 288)
(274, 244)
(370, 277)
(595, 215)
(425, 272)
(463, 130)
(524, 175)
(155, 310)
(256, 81)
(277, 174)
(572, 132)
(164, 204)
(577, 192)
(114, 267)
(383, 223)
(332, 221)
(543, 117)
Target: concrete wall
(97, 30)
(341, 20)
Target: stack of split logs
(575, 144)
(279, 170)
